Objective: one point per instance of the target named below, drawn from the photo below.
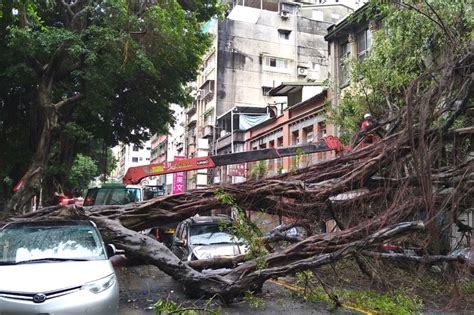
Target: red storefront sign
(237, 170)
(179, 184)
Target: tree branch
(68, 101)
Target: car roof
(208, 219)
(50, 223)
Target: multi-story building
(129, 155)
(351, 38)
(300, 123)
(167, 148)
(257, 47)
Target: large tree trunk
(31, 181)
(393, 189)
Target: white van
(56, 267)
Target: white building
(129, 155)
(167, 148)
(259, 45)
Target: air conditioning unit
(302, 72)
(284, 14)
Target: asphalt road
(142, 286)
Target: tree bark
(31, 181)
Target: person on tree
(368, 120)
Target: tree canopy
(104, 68)
(408, 39)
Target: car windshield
(23, 244)
(112, 196)
(209, 234)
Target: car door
(179, 241)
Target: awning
(290, 87)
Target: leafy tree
(409, 38)
(83, 170)
(109, 67)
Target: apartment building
(129, 155)
(260, 45)
(351, 38)
(167, 148)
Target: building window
(134, 160)
(288, 7)
(266, 90)
(273, 62)
(364, 41)
(344, 54)
(295, 139)
(321, 130)
(135, 147)
(280, 142)
(284, 34)
(308, 134)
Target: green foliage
(395, 302)
(113, 51)
(409, 40)
(304, 279)
(243, 228)
(82, 172)
(468, 287)
(254, 301)
(432, 285)
(259, 170)
(295, 162)
(167, 306)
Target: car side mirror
(179, 242)
(112, 250)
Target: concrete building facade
(259, 45)
(167, 148)
(129, 155)
(349, 39)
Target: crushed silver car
(56, 267)
(206, 237)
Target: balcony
(191, 122)
(226, 140)
(206, 91)
(192, 110)
(192, 140)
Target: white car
(206, 237)
(56, 267)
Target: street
(142, 286)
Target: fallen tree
(414, 182)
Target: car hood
(218, 250)
(44, 277)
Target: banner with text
(179, 185)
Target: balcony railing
(207, 90)
(226, 140)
